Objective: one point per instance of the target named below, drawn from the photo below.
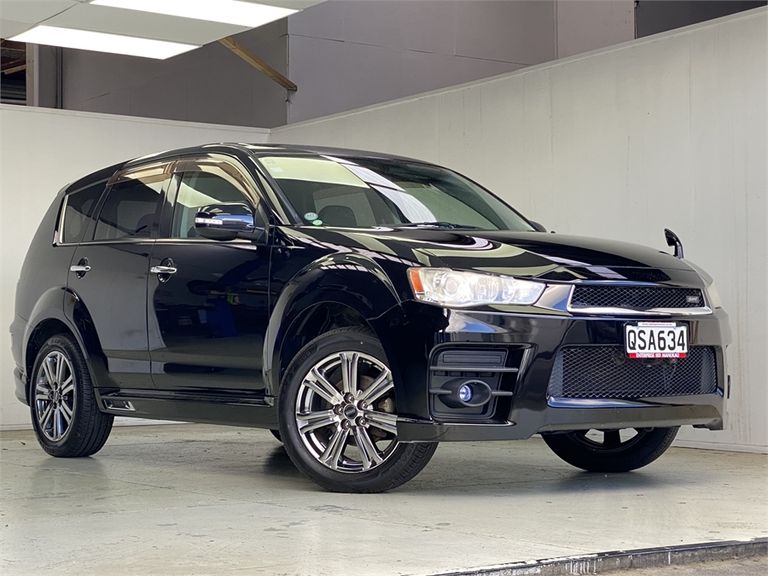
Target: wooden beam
(12, 67)
(13, 45)
(258, 63)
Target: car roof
(256, 149)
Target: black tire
(276, 434)
(350, 431)
(614, 454)
(51, 402)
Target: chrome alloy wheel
(345, 412)
(55, 395)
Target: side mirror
(536, 226)
(225, 221)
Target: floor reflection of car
(364, 307)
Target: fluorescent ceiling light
(234, 12)
(103, 42)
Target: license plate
(656, 340)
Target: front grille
(635, 297)
(606, 372)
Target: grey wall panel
(347, 55)
(584, 25)
(206, 85)
(654, 16)
(521, 32)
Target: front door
(208, 299)
(109, 273)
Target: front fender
(350, 280)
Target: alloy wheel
(345, 412)
(55, 395)
(610, 440)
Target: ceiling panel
(143, 24)
(16, 16)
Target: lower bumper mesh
(606, 372)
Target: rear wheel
(65, 416)
(611, 450)
(338, 417)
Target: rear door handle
(81, 268)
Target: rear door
(207, 320)
(110, 268)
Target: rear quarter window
(79, 209)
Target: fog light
(460, 393)
(465, 393)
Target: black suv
(363, 307)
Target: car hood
(555, 257)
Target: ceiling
(17, 16)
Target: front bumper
(527, 406)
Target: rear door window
(132, 206)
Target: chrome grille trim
(622, 311)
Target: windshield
(368, 193)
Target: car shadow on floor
(454, 471)
(459, 476)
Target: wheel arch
(337, 291)
(60, 311)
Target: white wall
(669, 131)
(41, 150)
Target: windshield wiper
(436, 224)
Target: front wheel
(338, 416)
(611, 450)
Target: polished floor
(193, 499)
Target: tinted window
(203, 187)
(365, 192)
(78, 210)
(131, 207)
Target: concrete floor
(193, 499)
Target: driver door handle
(163, 270)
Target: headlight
(713, 296)
(452, 288)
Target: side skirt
(212, 408)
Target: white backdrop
(41, 150)
(669, 131)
